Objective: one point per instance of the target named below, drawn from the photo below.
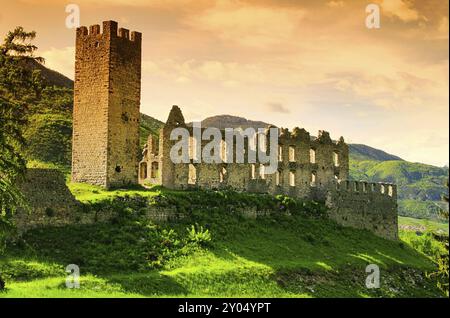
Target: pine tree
(19, 87)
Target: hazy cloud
(401, 9)
(277, 108)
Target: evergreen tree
(20, 86)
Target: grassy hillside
(149, 126)
(360, 152)
(213, 252)
(421, 225)
(420, 186)
(52, 78)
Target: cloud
(278, 108)
(254, 26)
(336, 4)
(400, 9)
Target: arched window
(192, 176)
(262, 170)
(291, 154)
(222, 174)
(313, 179)
(292, 178)
(155, 170)
(336, 159)
(312, 155)
(390, 190)
(143, 170)
(253, 172)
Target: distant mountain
(357, 151)
(50, 76)
(228, 121)
(362, 152)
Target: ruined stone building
(106, 143)
(305, 163)
(308, 167)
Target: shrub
(198, 235)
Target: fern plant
(198, 235)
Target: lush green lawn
(89, 193)
(412, 223)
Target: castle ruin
(106, 144)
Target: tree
(19, 87)
(18, 82)
(444, 213)
(442, 273)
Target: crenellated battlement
(364, 187)
(110, 30)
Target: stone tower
(106, 106)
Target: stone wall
(106, 106)
(52, 204)
(49, 199)
(363, 205)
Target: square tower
(106, 106)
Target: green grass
(89, 193)
(36, 164)
(297, 255)
(422, 224)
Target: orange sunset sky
(311, 64)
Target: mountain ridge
(52, 78)
(357, 151)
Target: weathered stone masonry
(363, 205)
(308, 167)
(106, 106)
